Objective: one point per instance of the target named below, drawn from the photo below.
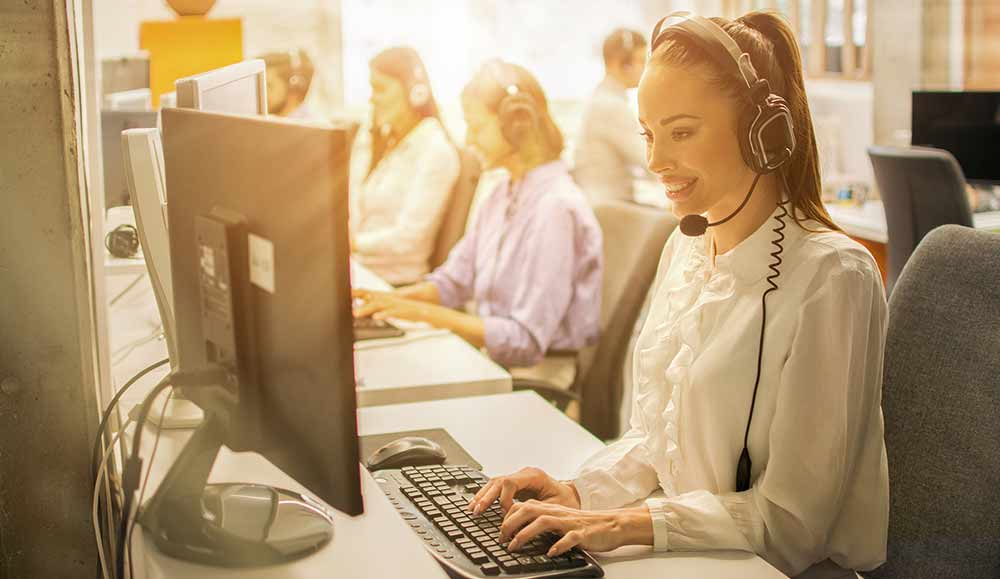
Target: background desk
(424, 365)
(504, 432)
(866, 224)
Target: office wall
(47, 385)
(268, 25)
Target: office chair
(634, 236)
(922, 188)
(453, 225)
(941, 402)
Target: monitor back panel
(289, 181)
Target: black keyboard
(434, 500)
(370, 329)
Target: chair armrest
(558, 396)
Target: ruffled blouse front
(665, 355)
(819, 482)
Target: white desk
(868, 220)
(503, 432)
(423, 365)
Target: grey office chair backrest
(922, 188)
(941, 402)
(634, 236)
(453, 225)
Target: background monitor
(139, 99)
(125, 73)
(239, 88)
(112, 125)
(260, 267)
(966, 124)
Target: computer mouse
(407, 451)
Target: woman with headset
(758, 372)
(403, 174)
(533, 259)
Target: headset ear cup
(744, 132)
(419, 95)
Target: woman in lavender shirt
(532, 260)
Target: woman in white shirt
(402, 175)
(815, 501)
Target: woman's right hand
(527, 483)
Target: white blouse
(819, 483)
(397, 210)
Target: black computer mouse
(407, 451)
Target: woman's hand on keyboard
(382, 305)
(591, 530)
(526, 483)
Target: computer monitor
(125, 72)
(139, 99)
(260, 263)
(112, 125)
(966, 124)
(239, 88)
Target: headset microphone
(695, 225)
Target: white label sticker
(261, 263)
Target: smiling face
(691, 144)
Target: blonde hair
(774, 52)
(490, 85)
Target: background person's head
(507, 117)
(694, 111)
(625, 56)
(401, 97)
(289, 76)
(401, 91)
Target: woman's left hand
(591, 530)
(381, 305)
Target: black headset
(767, 141)
(767, 135)
(122, 241)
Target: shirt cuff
(661, 539)
(447, 295)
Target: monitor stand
(180, 413)
(233, 524)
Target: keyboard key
(527, 563)
(511, 566)
(490, 569)
(478, 557)
(454, 534)
(543, 563)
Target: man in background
(610, 151)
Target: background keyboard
(433, 501)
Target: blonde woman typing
(757, 412)
(403, 173)
(532, 262)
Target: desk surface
(503, 433)
(423, 365)
(868, 220)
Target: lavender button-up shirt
(533, 264)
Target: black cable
(101, 430)
(145, 480)
(132, 471)
(745, 465)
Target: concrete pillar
(47, 321)
(897, 34)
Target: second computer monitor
(239, 88)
